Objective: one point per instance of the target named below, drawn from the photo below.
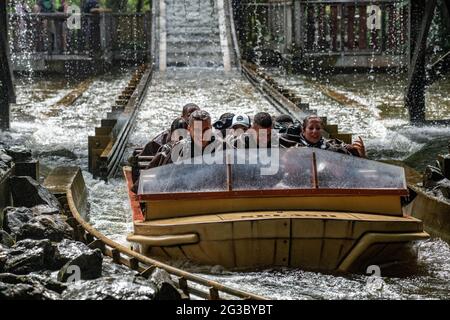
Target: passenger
(151, 148)
(258, 136)
(312, 137)
(196, 141)
(289, 130)
(225, 121)
(239, 125)
(241, 122)
(188, 110)
(163, 138)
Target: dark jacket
(185, 149)
(154, 146)
(334, 145)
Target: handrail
(97, 239)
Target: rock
(34, 280)
(19, 153)
(431, 176)
(44, 209)
(14, 287)
(27, 192)
(89, 264)
(15, 218)
(60, 153)
(53, 228)
(68, 250)
(26, 292)
(444, 186)
(3, 166)
(111, 269)
(3, 257)
(6, 159)
(6, 239)
(111, 288)
(29, 255)
(165, 285)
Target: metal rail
(120, 254)
(108, 145)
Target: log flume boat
(318, 210)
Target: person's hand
(358, 147)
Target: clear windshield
(271, 170)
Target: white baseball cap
(241, 119)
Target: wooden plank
(321, 30)
(334, 27)
(107, 151)
(351, 27)
(103, 131)
(310, 28)
(362, 37)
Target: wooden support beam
(422, 13)
(7, 95)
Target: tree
(139, 5)
(117, 5)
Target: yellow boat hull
(311, 240)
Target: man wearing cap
(242, 122)
(258, 136)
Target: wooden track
(108, 145)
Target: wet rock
(15, 218)
(444, 186)
(14, 287)
(111, 269)
(19, 153)
(165, 285)
(3, 167)
(431, 176)
(29, 255)
(5, 239)
(34, 279)
(27, 192)
(6, 159)
(44, 209)
(26, 292)
(111, 288)
(60, 153)
(89, 265)
(52, 227)
(68, 250)
(3, 257)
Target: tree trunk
(117, 5)
(139, 5)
